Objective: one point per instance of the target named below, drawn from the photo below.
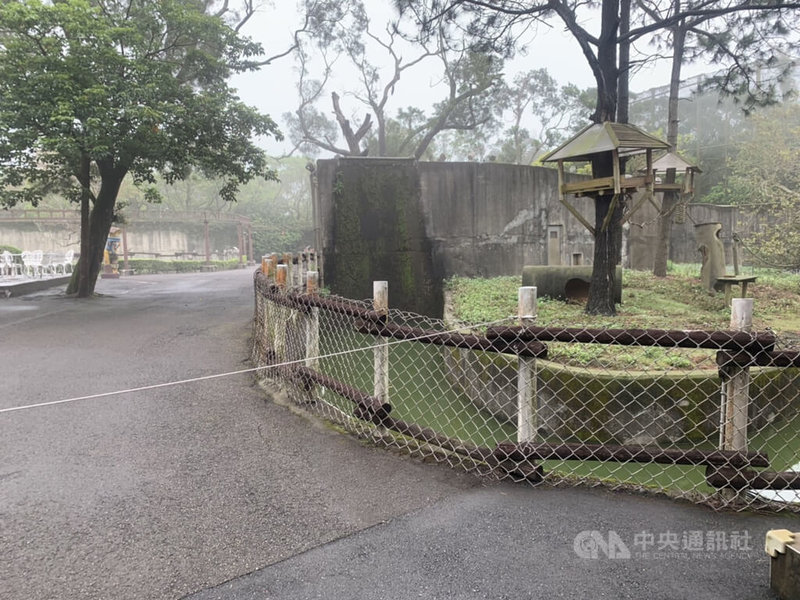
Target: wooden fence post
(312, 323)
(281, 275)
(280, 314)
(268, 264)
(297, 272)
(526, 371)
(736, 389)
(268, 312)
(380, 303)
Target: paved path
(212, 490)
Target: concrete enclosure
(417, 223)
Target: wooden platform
(605, 185)
(728, 281)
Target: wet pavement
(213, 490)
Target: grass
(419, 389)
(422, 393)
(677, 301)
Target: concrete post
(281, 275)
(280, 314)
(380, 303)
(526, 371)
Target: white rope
(239, 372)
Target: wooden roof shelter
(673, 160)
(621, 140)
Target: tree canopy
(381, 59)
(734, 32)
(764, 178)
(93, 90)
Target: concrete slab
(22, 286)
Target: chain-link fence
(709, 416)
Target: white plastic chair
(48, 264)
(32, 263)
(8, 266)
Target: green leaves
(140, 85)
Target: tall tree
(670, 199)
(93, 90)
(345, 32)
(761, 36)
(540, 113)
(496, 25)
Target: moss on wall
(379, 234)
(679, 408)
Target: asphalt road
(212, 490)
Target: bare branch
(701, 15)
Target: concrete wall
(145, 238)
(487, 219)
(50, 236)
(643, 232)
(477, 219)
(376, 230)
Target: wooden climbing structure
(619, 140)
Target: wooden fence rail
(730, 466)
(713, 340)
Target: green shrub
(12, 249)
(144, 266)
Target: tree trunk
(670, 199)
(353, 138)
(100, 220)
(668, 202)
(607, 247)
(623, 81)
(86, 192)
